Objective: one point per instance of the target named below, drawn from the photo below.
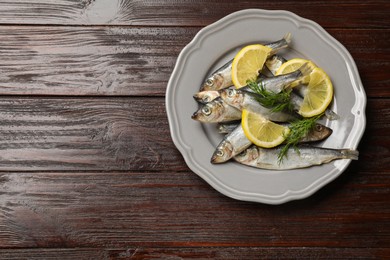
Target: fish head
(319, 132)
(233, 97)
(206, 96)
(202, 97)
(223, 152)
(208, 112)
(248, 155)
(213, 82)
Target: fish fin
(350, 154)
(305, 69)
(331, 115)
(288, 37)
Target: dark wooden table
(88, 167)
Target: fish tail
(288, 37)
(331, 115)
(280, 44)
(305, 69)
(349, 154)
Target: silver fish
(318, 133)
(241, 99)
(216, 111)
(278, 83)
(219, 79)
(206, 96)
(233, 144)
(274, 63)
(305, 156)
(280, 44)
(236, 141)
(222, 78)
(227, 128)
(297, 100)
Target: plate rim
(186, 150)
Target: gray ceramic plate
(216, 44)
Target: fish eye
(220, 153)
(318, 128)
(230, 92)
(206, 110)
(209, 82)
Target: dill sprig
(275, 101)
(298, 130)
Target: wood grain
(121, 61)
(109, 134)
(87, 166)
(178, 209)
(88, 61)
(54, 254)
(346, 14)
(86, 134)
(197, 253)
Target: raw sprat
(222, 77)
(235, 140)
(270, 115)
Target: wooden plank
(53, 254)
(122, 134)
(197, 253)
(254, 253)
(88, 61)
(86, 134)
(81, 61)
(351, 14)
(178, 209)
(371, 53)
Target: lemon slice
(248, 62)
(293, 65)
(319, 94)
(261, 131)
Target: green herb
(298, 130)
(275, 101)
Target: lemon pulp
(247, 63)
(262, 132)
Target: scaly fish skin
(222, 78)
(235, 142)
(278, 83)
(219, 79)
(241, 99)
(216, 111)
(318, 133)
(305, 156)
